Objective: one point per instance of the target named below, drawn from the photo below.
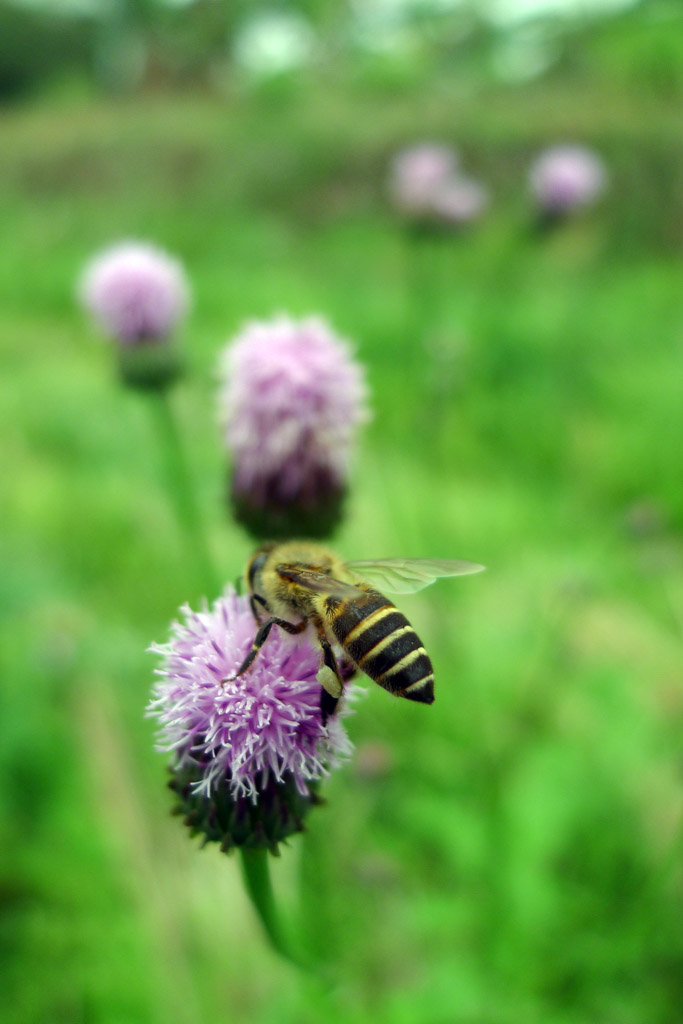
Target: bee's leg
(261, 638)
(254, 610)
(329, 677)
(328, 703)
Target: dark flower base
(546, 222)
(149, 365)
(279, 812)
(267, 516)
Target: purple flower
(417, 173)
(263, 730)
(292, 399)
(459, 201)
(427, 186)
(566, 178)
(136, 292)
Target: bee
(299, 583)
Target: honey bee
(300, 583)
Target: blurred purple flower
(135, 291)
(459, 201)
(566, 178)
(291, 401)
(417, 173)
(243, 738)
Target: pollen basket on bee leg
(329, 681)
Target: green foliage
(510, 854)
(39, 47)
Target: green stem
(180, 487)
(256, 874)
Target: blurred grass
(518, 857)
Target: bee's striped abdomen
(381, 641)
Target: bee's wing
(408, 575)
(318, 582)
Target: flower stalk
(179, 486)
(257, 881)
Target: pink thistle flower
(136, 292)
(292, 399)
(248, 753)
(566, 178)
(459, 202)
(417, 173)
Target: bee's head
(254, 566)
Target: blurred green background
(512, 854)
